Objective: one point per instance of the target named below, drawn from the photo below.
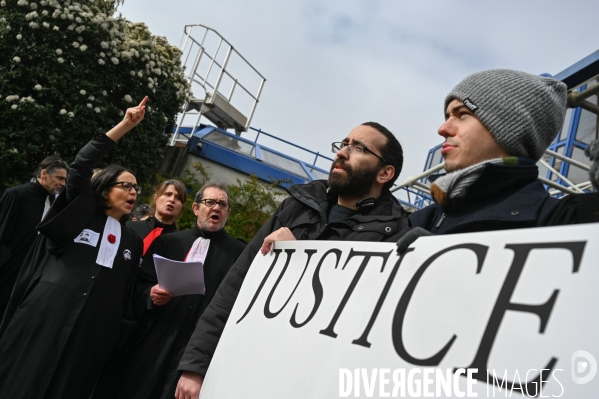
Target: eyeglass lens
(211, 203)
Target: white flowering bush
(68, 68)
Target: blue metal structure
(250, 157)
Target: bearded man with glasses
(355, 204)
(147, 367)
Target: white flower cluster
(151, 59)
(12, 98)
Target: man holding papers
(148, 368)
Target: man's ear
(43, 174)
(195, 208)
(385, 174)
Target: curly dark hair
(391, 152)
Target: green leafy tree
(253, 202)
(69, 68)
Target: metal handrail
(414, 181)
(210, 85)
(318, 154)
(225, 40)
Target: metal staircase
(215, 68)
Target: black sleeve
(82, 168)
(9, 211)
(203, 342)
(75, 205)
(146, 277)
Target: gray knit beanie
(524, 112)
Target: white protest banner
(469, 315)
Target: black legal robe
(143, 227)
(157, 344)
(67, 313)
(21, 210)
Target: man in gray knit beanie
(498, 124)
(523, 112)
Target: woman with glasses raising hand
(70, 305)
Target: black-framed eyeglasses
(358, 148)
(211, 203)
(125, 185)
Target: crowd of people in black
(84, 315)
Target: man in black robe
(21, 210)
(148, 369)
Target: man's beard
(356, 183)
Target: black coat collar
(212, 235)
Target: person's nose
(446, 129)
(343, 152)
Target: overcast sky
(333, 64)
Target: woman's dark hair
(103, 181)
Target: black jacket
(305, 213)
(504, 197)
(574, 209)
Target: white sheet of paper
(180, 278)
